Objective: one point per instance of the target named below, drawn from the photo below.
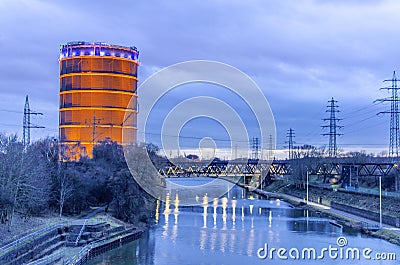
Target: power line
(359, 121)
(9, 124)
(342, 144)
(256, 147)
(365, 127)
(279, 143)
(358, 112)
(332, 109)
(290, 136)
(11, 111)
(200, 138)
(270, 148)
(94, 124)
(394, 115)
(27, 125)
(352, 113)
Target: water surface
(231, 229)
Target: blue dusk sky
(300, 53)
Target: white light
(102, 53)
(74, 53)
(91, 53)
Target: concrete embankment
(96, 248)
(362, 220)
(72, 242)
(32, 246)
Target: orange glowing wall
(98, 97)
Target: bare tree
(24, 179)
(11, 165)
(65, 190)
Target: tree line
(36, 180)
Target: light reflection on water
(230, 229)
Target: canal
(239, 228)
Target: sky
(300, 53)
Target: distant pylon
(332, 109)
(394, 115)
(270, 148)
(236, 151)
(27, 125)
(94, 123)
(256, 148)
(290, 136)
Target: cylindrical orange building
(97, 83)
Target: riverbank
(231, 229)
(324, 209)
(71, 241)
(106, 233)
(23, 226)
(103, 244)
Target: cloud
(301, 53)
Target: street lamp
(307, 187)
(380, 201)
(307, 198)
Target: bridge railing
(226, 169)
(81, 232)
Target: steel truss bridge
(260, 171)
